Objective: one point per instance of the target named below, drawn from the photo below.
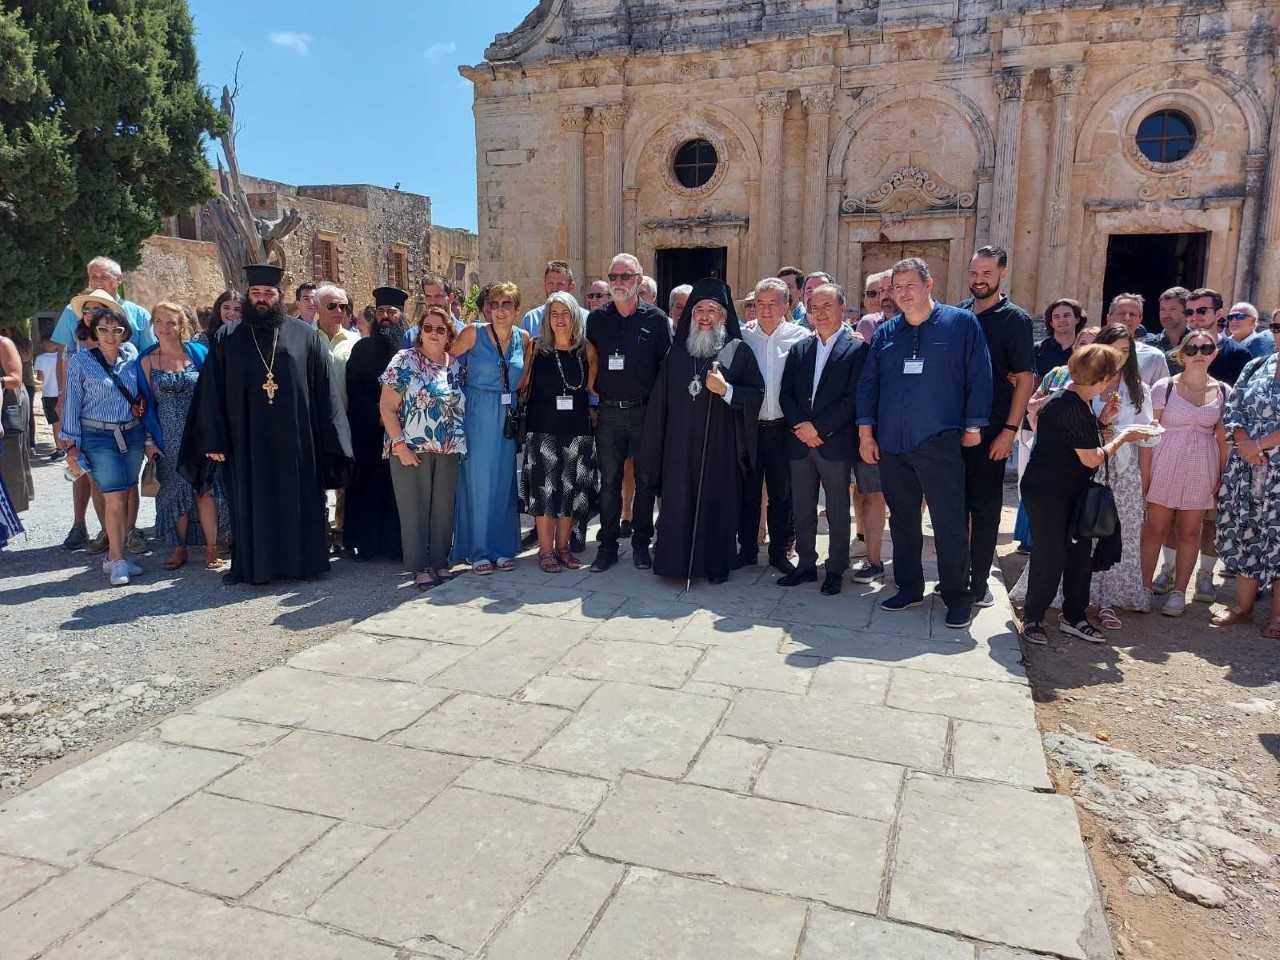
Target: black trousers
(1055, 558)
(934, 472)
(983, 500)
(773, 466)
(617, 437)
(806, 474)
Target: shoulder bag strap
(502, 361)
(124, 392)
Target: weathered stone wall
(452, 247)
(184, 271)
(852, 132)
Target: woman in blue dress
(487, 524)
(169, 370)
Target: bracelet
(398, 441)
(1011, 427)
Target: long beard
(705, 343)
(391, 334)
(261, 316)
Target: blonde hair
(1086, 332)
(547, 336)
(507, 287)
(184, 321)
(1177, 352)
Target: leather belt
(622, 404)
(773, 423)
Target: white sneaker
(134, 569)
(1163, 583)
(119, 573)
(1145, 604)
(857, 549)
(1205, 590)
(1174, 604)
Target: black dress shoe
(232, 579)
(606, 557)
(641, 557)
(797, 577)
(782, 565)
(624, 529)
(832, 583)
(717, 578)
(746, 560)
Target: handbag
(149, 486)
(516, 425)
(13, 417)
(1094, 516)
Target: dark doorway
(687, 265)
(1151, 263)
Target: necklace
(269, 385)
(582, 374)
(695, 384)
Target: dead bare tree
(241, 236)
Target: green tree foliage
(102, 127)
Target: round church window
(695, 163)
(1166, 136)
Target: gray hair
(1135, 297)
(683, 290)
(649, 286)
(631, 259)
(834, 286)
(773, 283)
(1247, 307)
(547, 336)
(327, 289)
(107, 264)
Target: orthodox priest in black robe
(267, 407)
(371, 524)
(700, 433)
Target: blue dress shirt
(952, 391)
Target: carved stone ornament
(1194, 160)
(573, 119)
(772, 105)
(611, 115)
(674, 136)
(817, 99)
(1009, 84)
(1065, 80)
(1155, 191)
(911, 183)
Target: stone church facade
(1110, 145)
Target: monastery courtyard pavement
(543, 767)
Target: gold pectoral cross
(271, 387)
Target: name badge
(506, 399)
(913, 365)
(616, 361)
(564, 403)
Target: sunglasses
(622, 277)
(340, 307)
(1198, 311)
(1204, 349)
(110, 331)
(434, 328)
(596, 296)
(1239, 316)
(502, 304)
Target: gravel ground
(82, 662)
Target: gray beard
(705, 344)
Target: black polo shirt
(1008, 330)
(1050, 354)
(642, 340)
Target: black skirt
(558, 477)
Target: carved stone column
(573, 122)
(833, 256)
(817, 108)
(982, 227)
(1004, 198)
(612, 117)
(1255, 168)
(1267, 264)
(1064, 79)
(772, 106)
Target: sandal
(1229, 618)
(548, 563)
(1273, 629)
(483, 568)
(1034, 633)
(567, 559)
(1084, 630)
(443, 575)
(211, 559)
(505, 563)
(176, 559)
(1109, 618)
(426, 584)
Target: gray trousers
(424, 496)
(806, 474)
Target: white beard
(702, 343)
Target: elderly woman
(15, 451)
(225, 309)
(487, 526)
(170, 370)
(422, 407)
(558, 480)
(105, 422)
(1068, 450)
(1248, 534)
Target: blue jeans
(112, 470)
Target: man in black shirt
(1009, 342)
(631, 339)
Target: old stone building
(1111, 145)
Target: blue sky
(364, 92)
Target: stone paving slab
(559, 911)
(836, 935)
(20, 877)
(59, 908)
(439, 621)
(962, 697)
(313, 871)
(523, 651)
(828, 781)
(729, 763)
(757, 670)
(358, 654)
(953, 657)
(218, 733)
(484, 727)
(551, 787)
(645, 620)
(626, 661)
(1012, 755)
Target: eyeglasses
(110, 331)
(502, 304)
(340, 307)
(1239, 316)
(1199, 311)
(1204, 349)
(434, 328)
(871, 295)
(622, 277)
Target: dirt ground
(1164, 690)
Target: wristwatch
(1011, 427)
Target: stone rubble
(1200, 831)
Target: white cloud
(299, 43)
(438, 50)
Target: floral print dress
(432, 404)
(1248, 535)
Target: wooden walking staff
(697, 503)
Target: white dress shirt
(771, 356)
(1152, 365)
(820, 360)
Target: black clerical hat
(709, 288)
(262, 275)
(390, 297)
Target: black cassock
(671, 452)
(371, 522)
(281, 455)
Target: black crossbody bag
(138, 404)
(1095, 516)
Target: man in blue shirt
(793, 277)
(925, 392)
(1204, 312)
(437, 291)
(557, 277)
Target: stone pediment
(908, 188)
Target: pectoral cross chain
(271, 387)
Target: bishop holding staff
(267, 406)
(700, 435)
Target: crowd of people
(1146, 459)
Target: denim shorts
(112, 470)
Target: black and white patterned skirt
(558, 477)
